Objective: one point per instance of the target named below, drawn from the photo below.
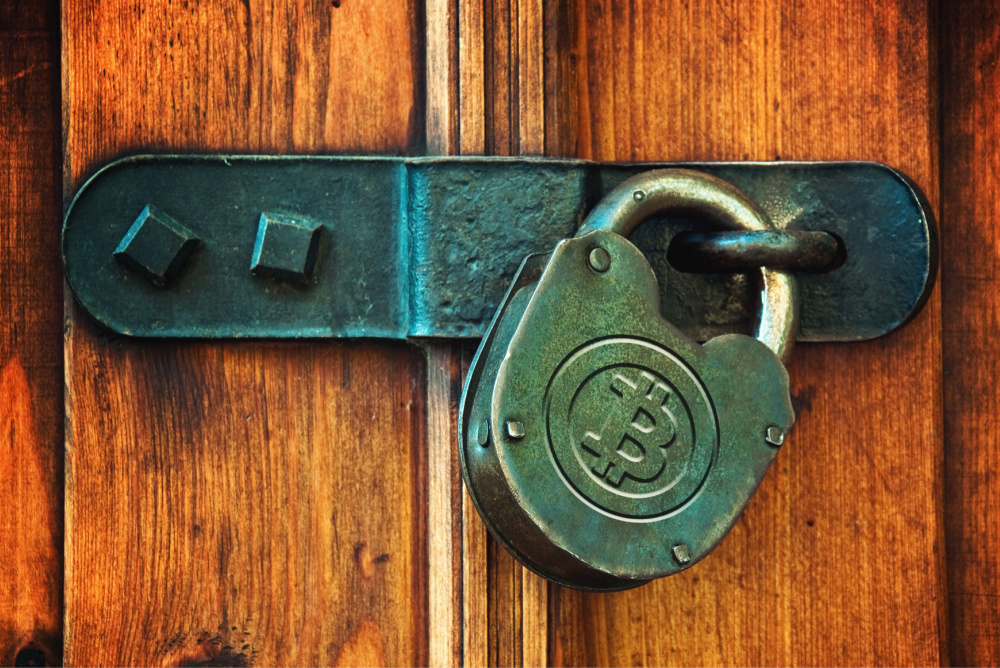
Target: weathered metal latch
(217, 246)
(601, 442)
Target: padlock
(602, 446)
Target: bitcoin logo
(631, 428)
(636, 430)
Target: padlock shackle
(699, 195)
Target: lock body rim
(481, 471)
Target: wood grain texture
(475, 616)
(204, 503)
(530, 77)
(444, 517)
(443, 47)
(31, 413)
(243, 502)
(970, 285)
(839, 556)
(472, 77)
(500, 80)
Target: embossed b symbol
(638, 428)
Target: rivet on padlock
(644, 446)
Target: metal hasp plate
(249, 246)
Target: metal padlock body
(640, 446)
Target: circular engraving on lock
(632, 430)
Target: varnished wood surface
(446, 577)
(850, 515)
(243, 502)
(31, 401)
(839, 556)
(222, 518)
(970, 296)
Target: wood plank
(475, 617)
(530, 77)
(472, 77)
(31, 410)
(444, 519)
(839, 557)
(442, 59)
(219, 506)
(501, 129)
(970, 285)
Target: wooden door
(214, 506)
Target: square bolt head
(286, 248)
(155, 246)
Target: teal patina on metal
(426, 247)
(637, 447)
